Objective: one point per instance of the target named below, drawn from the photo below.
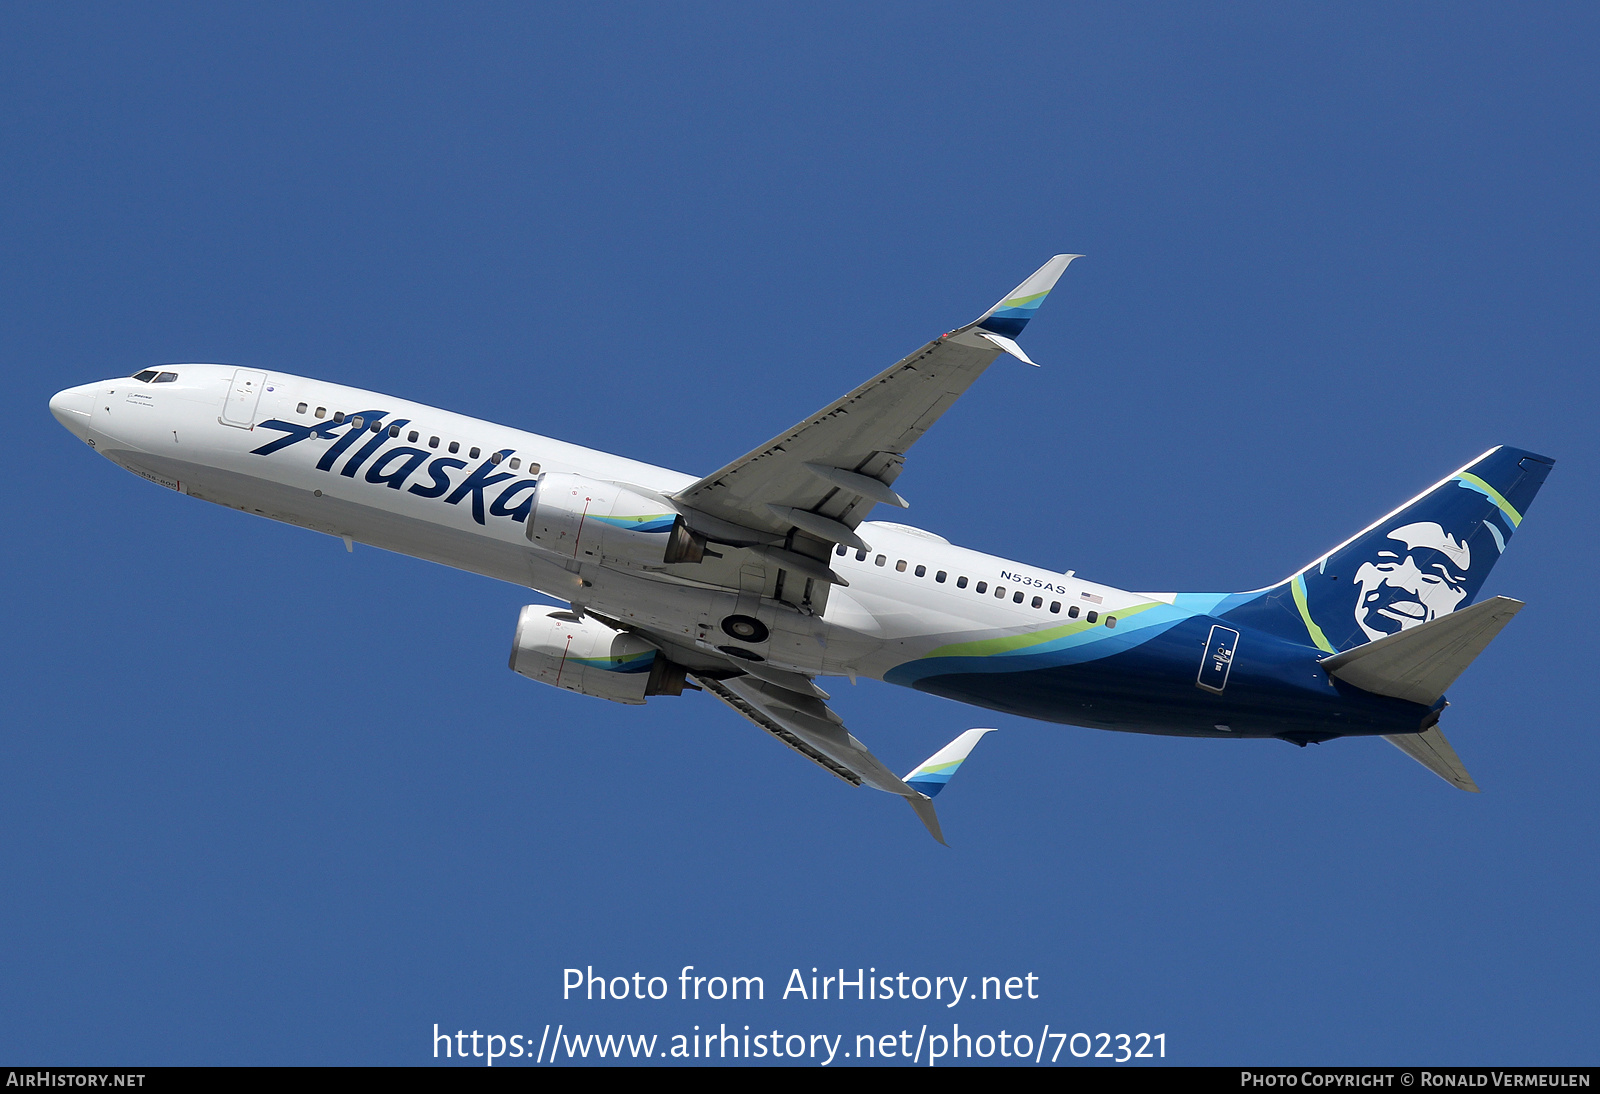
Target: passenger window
(412, 436)
(301, 409)
(1055, 606)
(394, 431)
(358, 422)
(455, 446)
(433, 442)
(1016, 597)
(1111, 621)
(999, 592)
(879, 561)
(338, 417)
(961, 582)
(940, 576)
(861, 556)
(165, 378)
(900, 566)
(922, 571)
(473, 454)
(533, 469)
(981, 587)
(516, 462)
(1038, 602)
(841, 550)
(1072, 612)
(377, 427)
(322, 412)
(496, 458)
(1092, 617)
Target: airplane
(755, 580)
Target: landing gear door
(243, 395)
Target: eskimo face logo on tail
(1419, 574)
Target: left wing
(809, 726)
(824, 475)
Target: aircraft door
(243, 395)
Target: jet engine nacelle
(589, 520)
(555, 647)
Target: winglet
(933, 773)
(923, 807)
(1008, 317)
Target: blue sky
(263, 801)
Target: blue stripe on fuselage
(1275, 688)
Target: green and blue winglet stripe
(935, 772)
(1008, 317)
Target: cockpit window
(146, 376)
(165, 378)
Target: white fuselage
(425, 485)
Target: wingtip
(1012, 313)
(1052, 270)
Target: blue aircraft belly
(1271, 688)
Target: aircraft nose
(73, 408)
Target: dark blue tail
(1425, 559)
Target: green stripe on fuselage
(1014, 643)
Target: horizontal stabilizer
(1430, 749)
(1420, 663)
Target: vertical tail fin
(1422, 561)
